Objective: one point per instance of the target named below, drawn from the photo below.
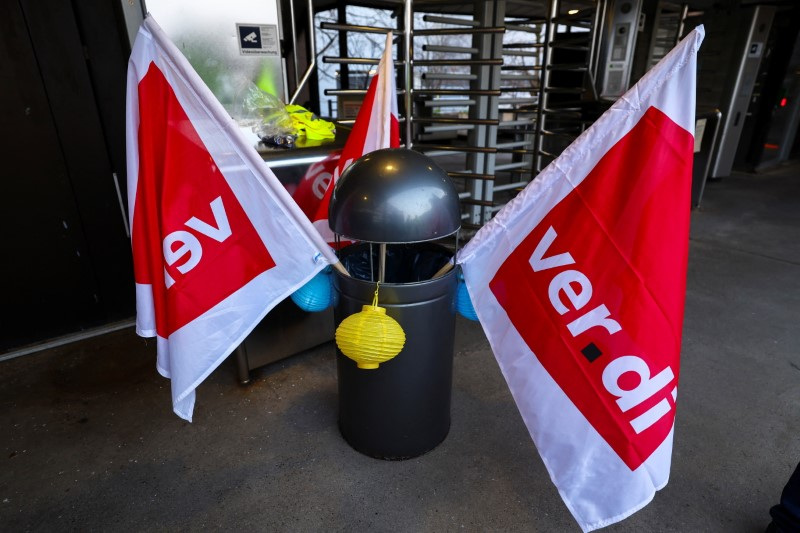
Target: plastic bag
(278, 124)
(269, 118)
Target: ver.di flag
(579, 284)
(217, 241)
(376, 126)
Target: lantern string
(375, 298)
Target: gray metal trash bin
(402, 408)
(394, 201)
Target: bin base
(358, 444)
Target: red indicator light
(783, 102)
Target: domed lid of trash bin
(394, 195)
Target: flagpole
(444, 270)
(258, 165)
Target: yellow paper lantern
(370, 337)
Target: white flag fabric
(217, 241)
(579, 284)
(376, 127)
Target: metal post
(550, 27)
(382, 262)
(371, 265)
(344, 69)
(477, 137)
(312, 38)
(294, 42)
(682, 22)
(499, 15)
(598, 23)
(408, 21)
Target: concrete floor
(89, 441)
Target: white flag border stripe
(385, 103)
(233, 318)
(528, 380)
(132, 128)
(239, 179)
(530, 384)
(203, 124)
(587, 150)
(183, 403)
(145, 311)
(203, 98)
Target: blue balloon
(318, 294)
(464, 302)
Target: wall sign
(258, 39)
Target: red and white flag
(217, 241)
(579, 284)
(376, 126)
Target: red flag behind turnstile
(376, 127)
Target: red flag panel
(192, 241)
(596, 290)
(378, 110)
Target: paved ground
(89, 441)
